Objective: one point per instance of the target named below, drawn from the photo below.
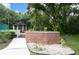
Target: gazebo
(19, 26)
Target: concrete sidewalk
(16, 47)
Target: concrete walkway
(16, 47)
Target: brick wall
(42, 37)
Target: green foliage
(63, 43)
(72, 26)
(45, 28)
(7, 15)
(73, 42)
(3, 12)
(56, 17)
(48, 15)
(6, 35)
(10, 17)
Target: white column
(17, 27)
(22, 28)
(13, 27)
(25, 27)
(18, 32)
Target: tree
(2, 12)
(7, 15)
(55, 13)
(39, 19)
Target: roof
(19, 23)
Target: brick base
(43, 37)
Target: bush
(6, 35)
(72, 27)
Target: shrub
(72, 26)
(63, 43)
(6, 35)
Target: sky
(17, 7)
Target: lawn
(73, 42)
(3, 45)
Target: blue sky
(19, 7)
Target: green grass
(73, 42)
(10, 30)
(4, 45)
